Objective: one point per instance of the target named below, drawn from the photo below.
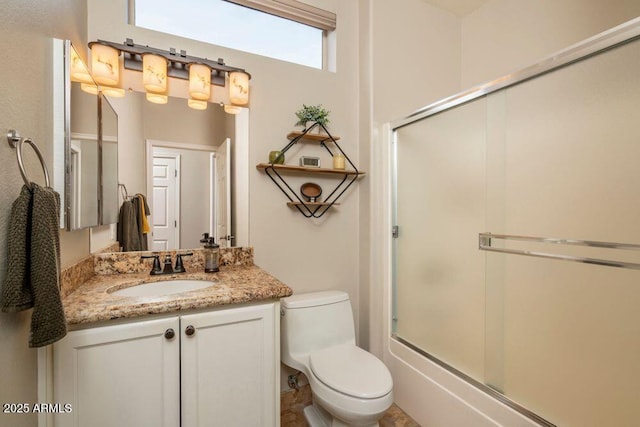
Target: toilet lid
(352, 371)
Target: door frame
(153, 143)
(212, 194)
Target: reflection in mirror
(171, 153)
(83, 181)
(109, 162)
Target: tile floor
(294, 401)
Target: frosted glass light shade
(157, 98)
(197, 104)
(104, 64)
(89, 88)
(114, 92)
(199, 81)
(232, 109)
(79, 72)
(239, 88)
(154, 73)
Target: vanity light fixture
(114, 92)
(197, 104)
(79, 72)
(232, 109)
(201, 72)
(239, 88)
(105, 67)
(90, 88)
(154, 73)
(157, 98)
(199, 81)
(93, 89)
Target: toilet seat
(352, 371)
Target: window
(231, 25)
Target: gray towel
(128, 233)
(33, 267)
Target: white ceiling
(458, 7)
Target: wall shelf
(319, 137)
(347, 176)
(309, 170)
(311, 204)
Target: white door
(230, 368)
(123, 375)
(223, 194)
(165, 211)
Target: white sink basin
(166, 287)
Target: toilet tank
(314, 321)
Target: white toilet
(350, 386)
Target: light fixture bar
(178, 61)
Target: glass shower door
(440, 208)
(556, 156)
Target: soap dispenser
(211, 256)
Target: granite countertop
(93, 301)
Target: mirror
(108, 162)
(90, 162)
(83, 179)
(159, 143)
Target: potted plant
(310, 114)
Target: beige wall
(506, 35)
(25, 84)
(131, 148)
(415, 57)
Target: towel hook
(15, 141)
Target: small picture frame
(310, 161)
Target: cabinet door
(229, 368)
(123, 375)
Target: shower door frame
(610, 39)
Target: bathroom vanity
(205, 357)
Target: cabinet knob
(169, 333)
(190, 330)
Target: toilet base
(316, 416)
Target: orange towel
(143, 217)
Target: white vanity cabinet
(217, 368)
(122, 375)
(229, 368)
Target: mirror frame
(61, 88)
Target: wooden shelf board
(291, 168)
(310, 204)
(319, 137)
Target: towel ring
(17, 142)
